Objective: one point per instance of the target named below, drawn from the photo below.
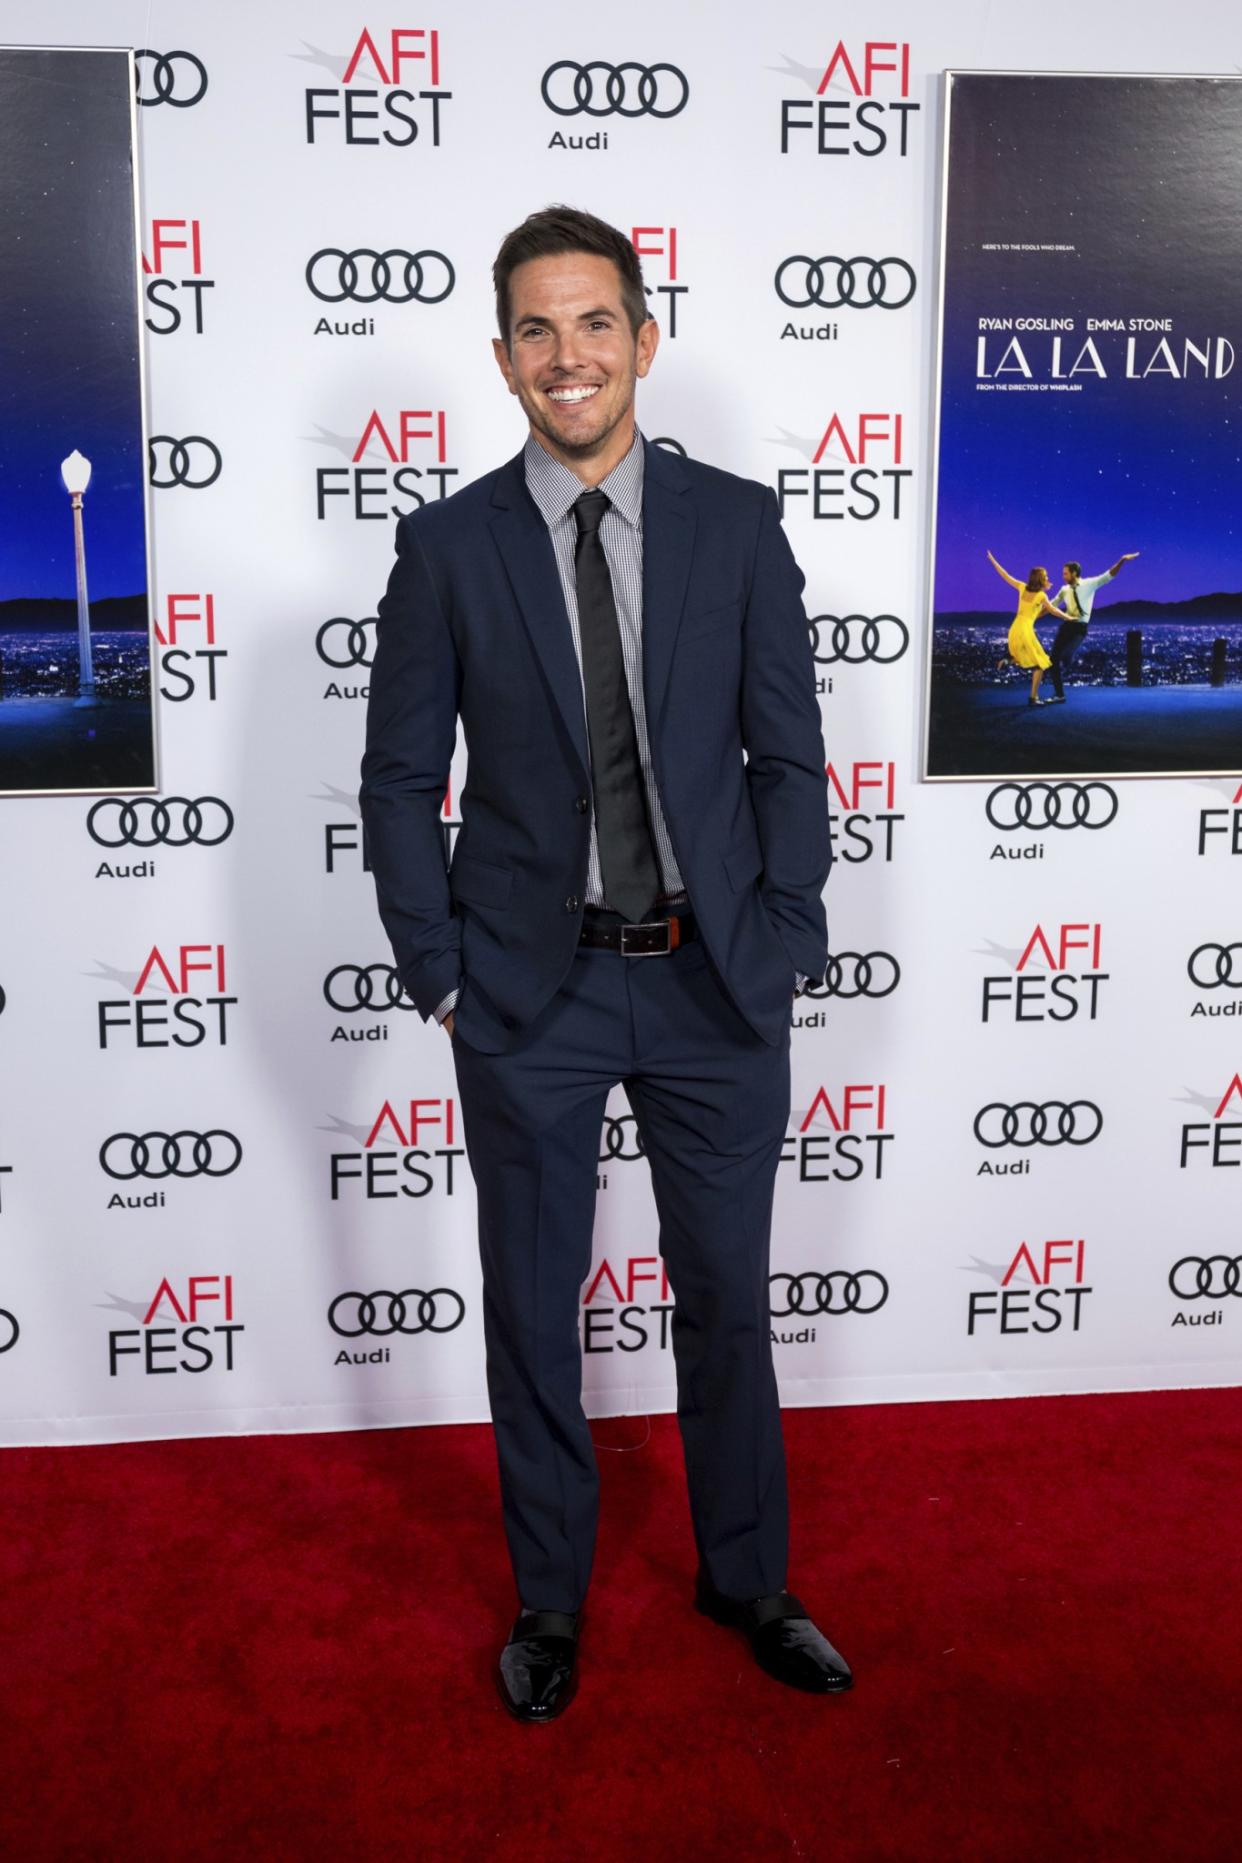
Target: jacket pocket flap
(480, 882)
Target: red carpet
(280, 1647)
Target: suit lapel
(530, 564)
(668, 546)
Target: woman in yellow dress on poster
(1025, 647)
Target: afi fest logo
(653, 243)
(1211, 1141)
(388, 91)
(865, 482)
(402, 454)
(405, 1153)
(175, 1001)
(861, 103)
(862, 812)
(343, 840)
(174, 282)
(1220, 829)
(1042, 1288)
(1056, 975)
(626, 1303)
(193, 1330)
(190, 655)
(840, 1140)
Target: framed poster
(1086, 562)
(76, 655)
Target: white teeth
(572, 394)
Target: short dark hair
(569, 229)
(1075, 569)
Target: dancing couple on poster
(1024, 645)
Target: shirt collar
(555, 489)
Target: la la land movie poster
(1087, 571)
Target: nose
(568, 353)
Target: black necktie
(626, 856)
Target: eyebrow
(601, 310)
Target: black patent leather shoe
(782, 1638)
(538, 1670)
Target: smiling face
(572, 359)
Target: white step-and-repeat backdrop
(233, 1186)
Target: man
(634, 896)
(1078, 597)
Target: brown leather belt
(653, 938)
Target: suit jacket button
(571, 904)
(582, 805)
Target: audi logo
(1056, 1122)
(1205, 1283)
(8, 1324)
(621, 1139)
(862, 284)
(376, 987)
(127, 1155)
(384, 1313)
(395, 277)
(194, 462)
(149, 821)
(176, 78)
(1051, 805)
(357, 646)
(836, 1292)
(659, 90)
(853, 639)
(858, 973)
(1220, 971)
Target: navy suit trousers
(711, 1100)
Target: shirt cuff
(800, 987)
(447, 1007)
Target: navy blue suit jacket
(473, 625)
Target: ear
(645, 345)
(501, 353)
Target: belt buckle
(651, 925)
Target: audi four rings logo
(10, 1331)
(127, 1155)
(1056, 1122)
(852, 639)
(1206, 1277)
(1052, 805)
(377, 987)
(352, 646)
(1212, 967)
(384, 1313)
(150, 821)
(176, 78)
(833, 284)
(621, 1139)
(837, 1292)
(859, 973)
(194, 462)
(599, 89)
(391, 277)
